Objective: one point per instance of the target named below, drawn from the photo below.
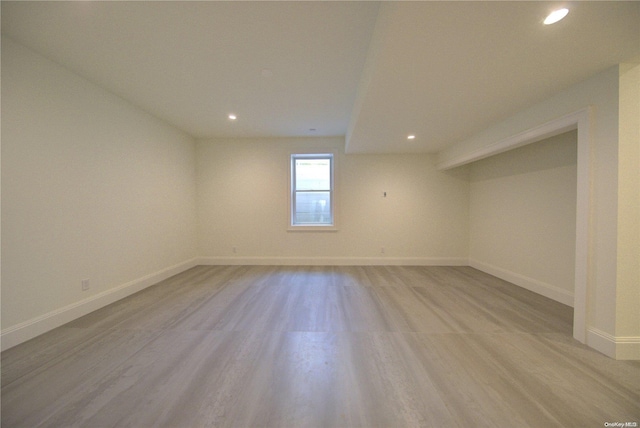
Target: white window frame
(306, 227)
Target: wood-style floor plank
(343, 346)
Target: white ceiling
(373, 71)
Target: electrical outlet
(235, 250)
(382, 250)
(85, 284)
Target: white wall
(523, 216)
(91, 188)
(628, 290)
(243, 187)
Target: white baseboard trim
(619, 348)
(542, 288)
(335, 261)
(29, 329)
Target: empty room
(306, 214)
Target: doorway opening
(580, 121)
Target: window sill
(312, 229)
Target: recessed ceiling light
(411, 137)
(232, 116)
(556, 16)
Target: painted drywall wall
(523, 216)
(92, 188)
(628, 281)
(243, 187)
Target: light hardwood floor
(243, 346)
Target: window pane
(313, 174)
(313, 208)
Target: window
(312, 189)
